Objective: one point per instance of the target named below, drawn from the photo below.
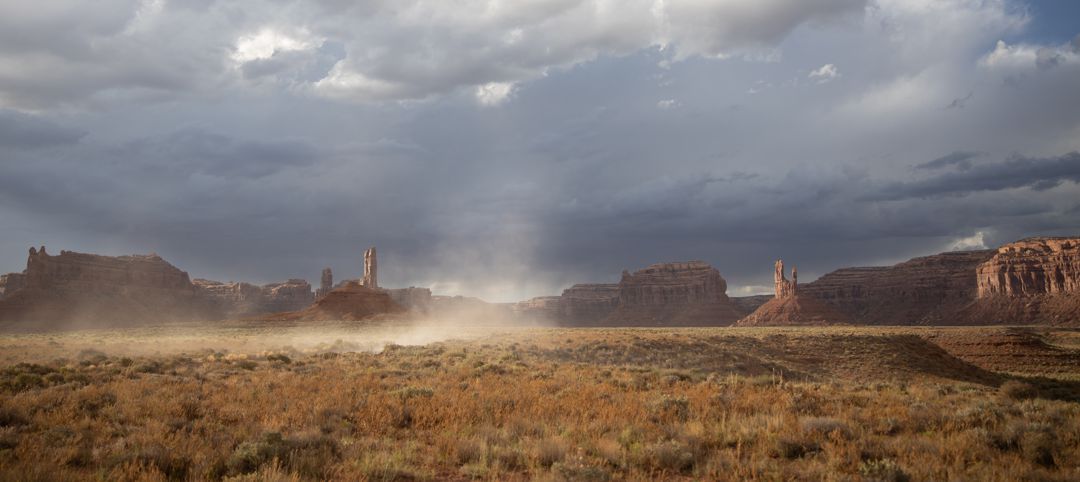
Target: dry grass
(538, 404)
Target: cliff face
(587, 303)
(927, 290)
(665, 294)
(1031, 281)
(544, 308)
(413, 298)
(231, 300)
(84, 287)
(11, 282)
(674, 294)
(1032, 267)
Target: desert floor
(428, 402)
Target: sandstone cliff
(586, 304)
(674, 294)
(666, 294)
(412, 298)
(76, 287)
(1031, 281)
(542, 308)
(1032, 267)
(930, 290)
(237, 299)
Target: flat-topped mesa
(326, 283)
(412, 298)
(785, 288)
(587, 303)
(539, 308)
(79, 287)
(90, 272)
(371, 269)
(689, 293)
(235, 299)
(928, 290)
(1032, 267)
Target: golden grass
(608, 404)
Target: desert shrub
(147, 367)
(247, 365)
(826, 426)
(882, 470)
(508, 458)
(330, 420)
(279, 357)
(309, 456)
(888, 426)
(91, 356)
(12, 417)
(578, 470)
(92, 399)
(381, 467)
(415, 392)
(173, 467)
(671, 408)
(1038, 446)
(468, 451)
(549, 451)
(1016, 390)
(792, 449)
(671, 456)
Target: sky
(509, 149)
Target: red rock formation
(77, 287)
(11, 282)
(673, 294)
(789, 307)
(352, 301)
(235, 299)
(1031, 281)
(794, 311)
(326, 283)
(783, 287)
(413, 298)
(586, 304)
(371, 269)
(544, 308)
(930, 290)
(1032, 267)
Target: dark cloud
(960, 159)
(19, 130)
(1039, 173)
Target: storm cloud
(509, 149)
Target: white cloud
(1021, 57)
(668, 104)
(494, 93)
(975, 241)
(824, 73)
(268, 41)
